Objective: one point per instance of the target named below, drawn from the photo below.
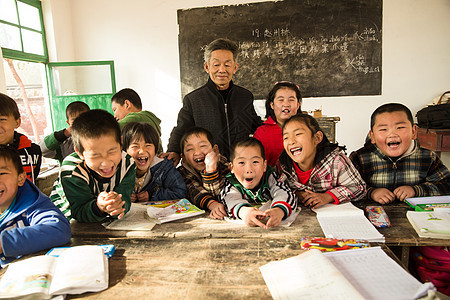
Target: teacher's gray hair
(221, 44)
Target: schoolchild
(30, 153)
(96, 181)
(251, 183)
(203, 169)
(29, 221)
(156, 178)
(394, 165)
(127, 107)
(318, 171)
(59, 144)
(283, 102)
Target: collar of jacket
(264, 185)
(212, 86)
(21, 141)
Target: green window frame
(24, 31)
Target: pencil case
(377, 216)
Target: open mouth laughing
(141, 161)
(393, 145)
(296, 151)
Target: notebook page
(347, 222)
(307, 276)
(374, 274)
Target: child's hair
(8, 107)
(134, 131)
(271, 97)
(248, 142)
(221, 44)
(389, 108)
(195, 131)
(9, 153)
(75, 108)
(94, 124)
(325, 146)
(127, 94)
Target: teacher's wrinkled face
(221, 67)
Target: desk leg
(405, 256)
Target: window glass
(32, 42)
(8, 11)
(10, 37)
(29, 16)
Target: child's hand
(403, 192)
(175, 157)
(315, 200)
(382, 196)
(133, 197)
(275, 216)
(217, 210)
(111, 203)
(211, 161)
(252, 216)
(142, 196)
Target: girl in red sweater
(283, 102)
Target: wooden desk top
(190, 268)
(401, 233)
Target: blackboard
(329, 48)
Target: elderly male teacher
(220, 106)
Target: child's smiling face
(285, 104)
(142, 153)
(102, 154)
(248, 166)
(393, 133)
(10, 180)
(301, 144)
(195, 149)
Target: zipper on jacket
(228, 126)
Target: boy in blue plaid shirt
(393, 165)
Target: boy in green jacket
(59, 144)
(96, 181)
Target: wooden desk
(400, 234)
(190, 268)
(437, 140)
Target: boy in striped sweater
(96, 181)
(251, 183)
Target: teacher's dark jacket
(229, 120)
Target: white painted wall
(141, 37)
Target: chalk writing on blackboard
(330, 48)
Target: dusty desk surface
(401, 233)
(190, 268)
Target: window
(22, 34)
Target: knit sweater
(76, 190)
(271, 137)
(235, 196)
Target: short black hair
(8, 107)
(195, 130)
(221, 44)
(248, 142)
(389, 108)
(94, 124)
(134, 131)
(127, 94)
(76, 107)
(9, 153)
(272, 93)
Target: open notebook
(367, 273)
(346, 221)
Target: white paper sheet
(346, 221)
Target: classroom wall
(141, 37)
